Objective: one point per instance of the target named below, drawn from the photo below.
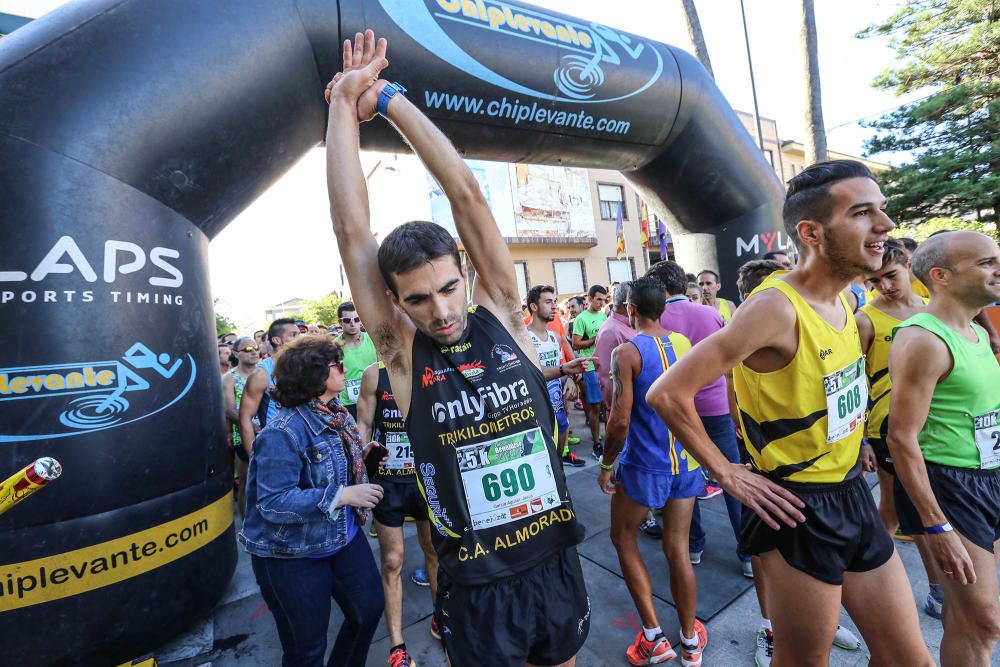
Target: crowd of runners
(861, 354)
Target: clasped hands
(358, 85)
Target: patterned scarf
(336, 416)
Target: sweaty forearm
(345, 177)
(682, 419)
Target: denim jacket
(297, 473)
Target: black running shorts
(541, 616)
(969, 497)
(399, 500)
(842, 532)
(882, 455)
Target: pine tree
(951, 49)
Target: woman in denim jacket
(307, 496)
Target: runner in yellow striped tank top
(798, 371)
(895, 302)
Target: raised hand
(364, 60)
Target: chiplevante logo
(83, 397)
(580, 75)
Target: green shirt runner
(586, 325)
(962, 428)
(356, 360)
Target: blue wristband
(388, 92)
(938, 529)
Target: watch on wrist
(389, 91)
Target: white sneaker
(747, 569)
(765, 648)
(846, 639)
(695, 557)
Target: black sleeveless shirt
(481, 425)
(390, 430)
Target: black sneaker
(571, 459)
(651, 529)
(598, 450)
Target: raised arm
(496, 284)
(918, 360)
(366, 402)
(363, 61)
(762, 320)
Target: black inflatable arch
(131, 132)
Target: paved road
(240, 630)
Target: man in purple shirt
(698, 322)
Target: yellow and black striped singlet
(804, 422)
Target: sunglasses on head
(350, 320)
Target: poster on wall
(553, 202)
(494, 182)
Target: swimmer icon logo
(83, 397)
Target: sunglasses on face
(246, 349)
(350, 320)
(339, 365)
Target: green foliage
(951, 49)
(222, 323)
(322, 312)
(921, 231)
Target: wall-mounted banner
(86, 396)
(531, 68)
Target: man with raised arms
(945, 436)
(468, 383)
(798, 371)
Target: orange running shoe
(401, 658)
(691, 657)
(435, 631)
(645, 652)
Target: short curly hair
(302, 367)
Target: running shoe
(572, 439)
(932, 606)
(578, 405)
(747, 569)
(846, 639)
(711, 491)
(572, 459)
(696, 557)
(419, 577)
(401, 658)
(372, 532)
(765, 648)
(901, 537)
(598, 450)
(435, 630)
(651, 529)
(691, 655)
(645, 652)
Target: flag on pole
(620, 234)
(643, 225)
(661, 234)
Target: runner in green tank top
(359, 354)
(945, 436)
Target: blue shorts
(591, 388)
(558, 405)
(654, 489)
